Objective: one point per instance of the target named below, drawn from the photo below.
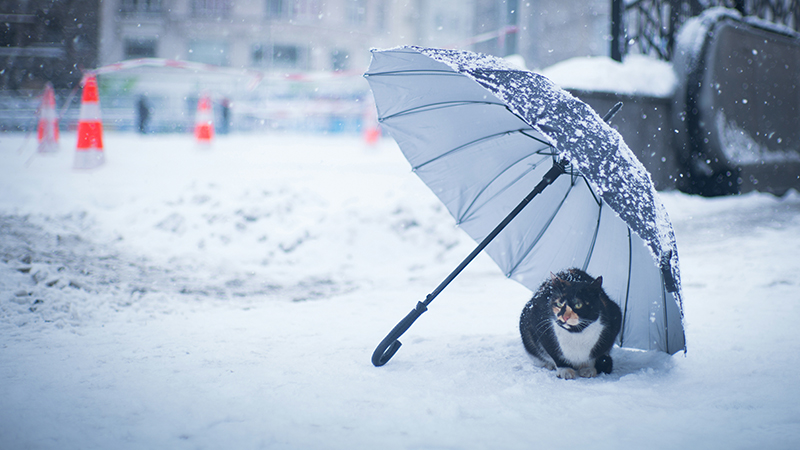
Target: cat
(570, 325)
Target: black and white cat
(570, 325)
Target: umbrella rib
(534, 137)
(465, 145)
(665, 312)
(627, 290)
(467, 212)
(413, 72)
(541, 233)
(594, 238)
(435, 106)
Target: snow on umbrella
(482, 134)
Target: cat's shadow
(630, 361)
(627, 362)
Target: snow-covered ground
(231, 297)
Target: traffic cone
(372, 134)
(372, 131)
(204, 121)
(89, 151)
(48, 121)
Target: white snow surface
(231, 297)
(636, 75)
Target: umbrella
(537, 178)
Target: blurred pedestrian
(224, 126)
(143, 114)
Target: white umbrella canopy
(481, 134)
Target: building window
(209, 52)
(380, 16)
(278, 56)
(276, 8)
(211, 8)
(357, 12)
(258, 55)
(286, 57)
(140, 48)
(294, 9)
(340, 60)
(140, 6)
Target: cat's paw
(566, 373)
(587, 372)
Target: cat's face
(574, 304)
(567, 312)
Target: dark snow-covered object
(481, 134)
(737, 104)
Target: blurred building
(337, 34)
(286, 35)
(46, 40)
(55, 40)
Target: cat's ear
(598, 282)
(556, 279)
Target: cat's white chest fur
(577, 347)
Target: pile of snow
(246, 217)
(740, 147)
(636, 75)
(231, 296)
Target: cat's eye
(578, 305)
(560, 303)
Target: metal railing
(650, 26)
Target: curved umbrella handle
(390, 344)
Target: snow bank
(246, 217)
(636, 75)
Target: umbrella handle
(390, 344)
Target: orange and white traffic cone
(204, 121)
(89, 151)
(48, 121)
(372, 132)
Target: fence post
(617, 29)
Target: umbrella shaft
(548, 178)
(390, 344)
